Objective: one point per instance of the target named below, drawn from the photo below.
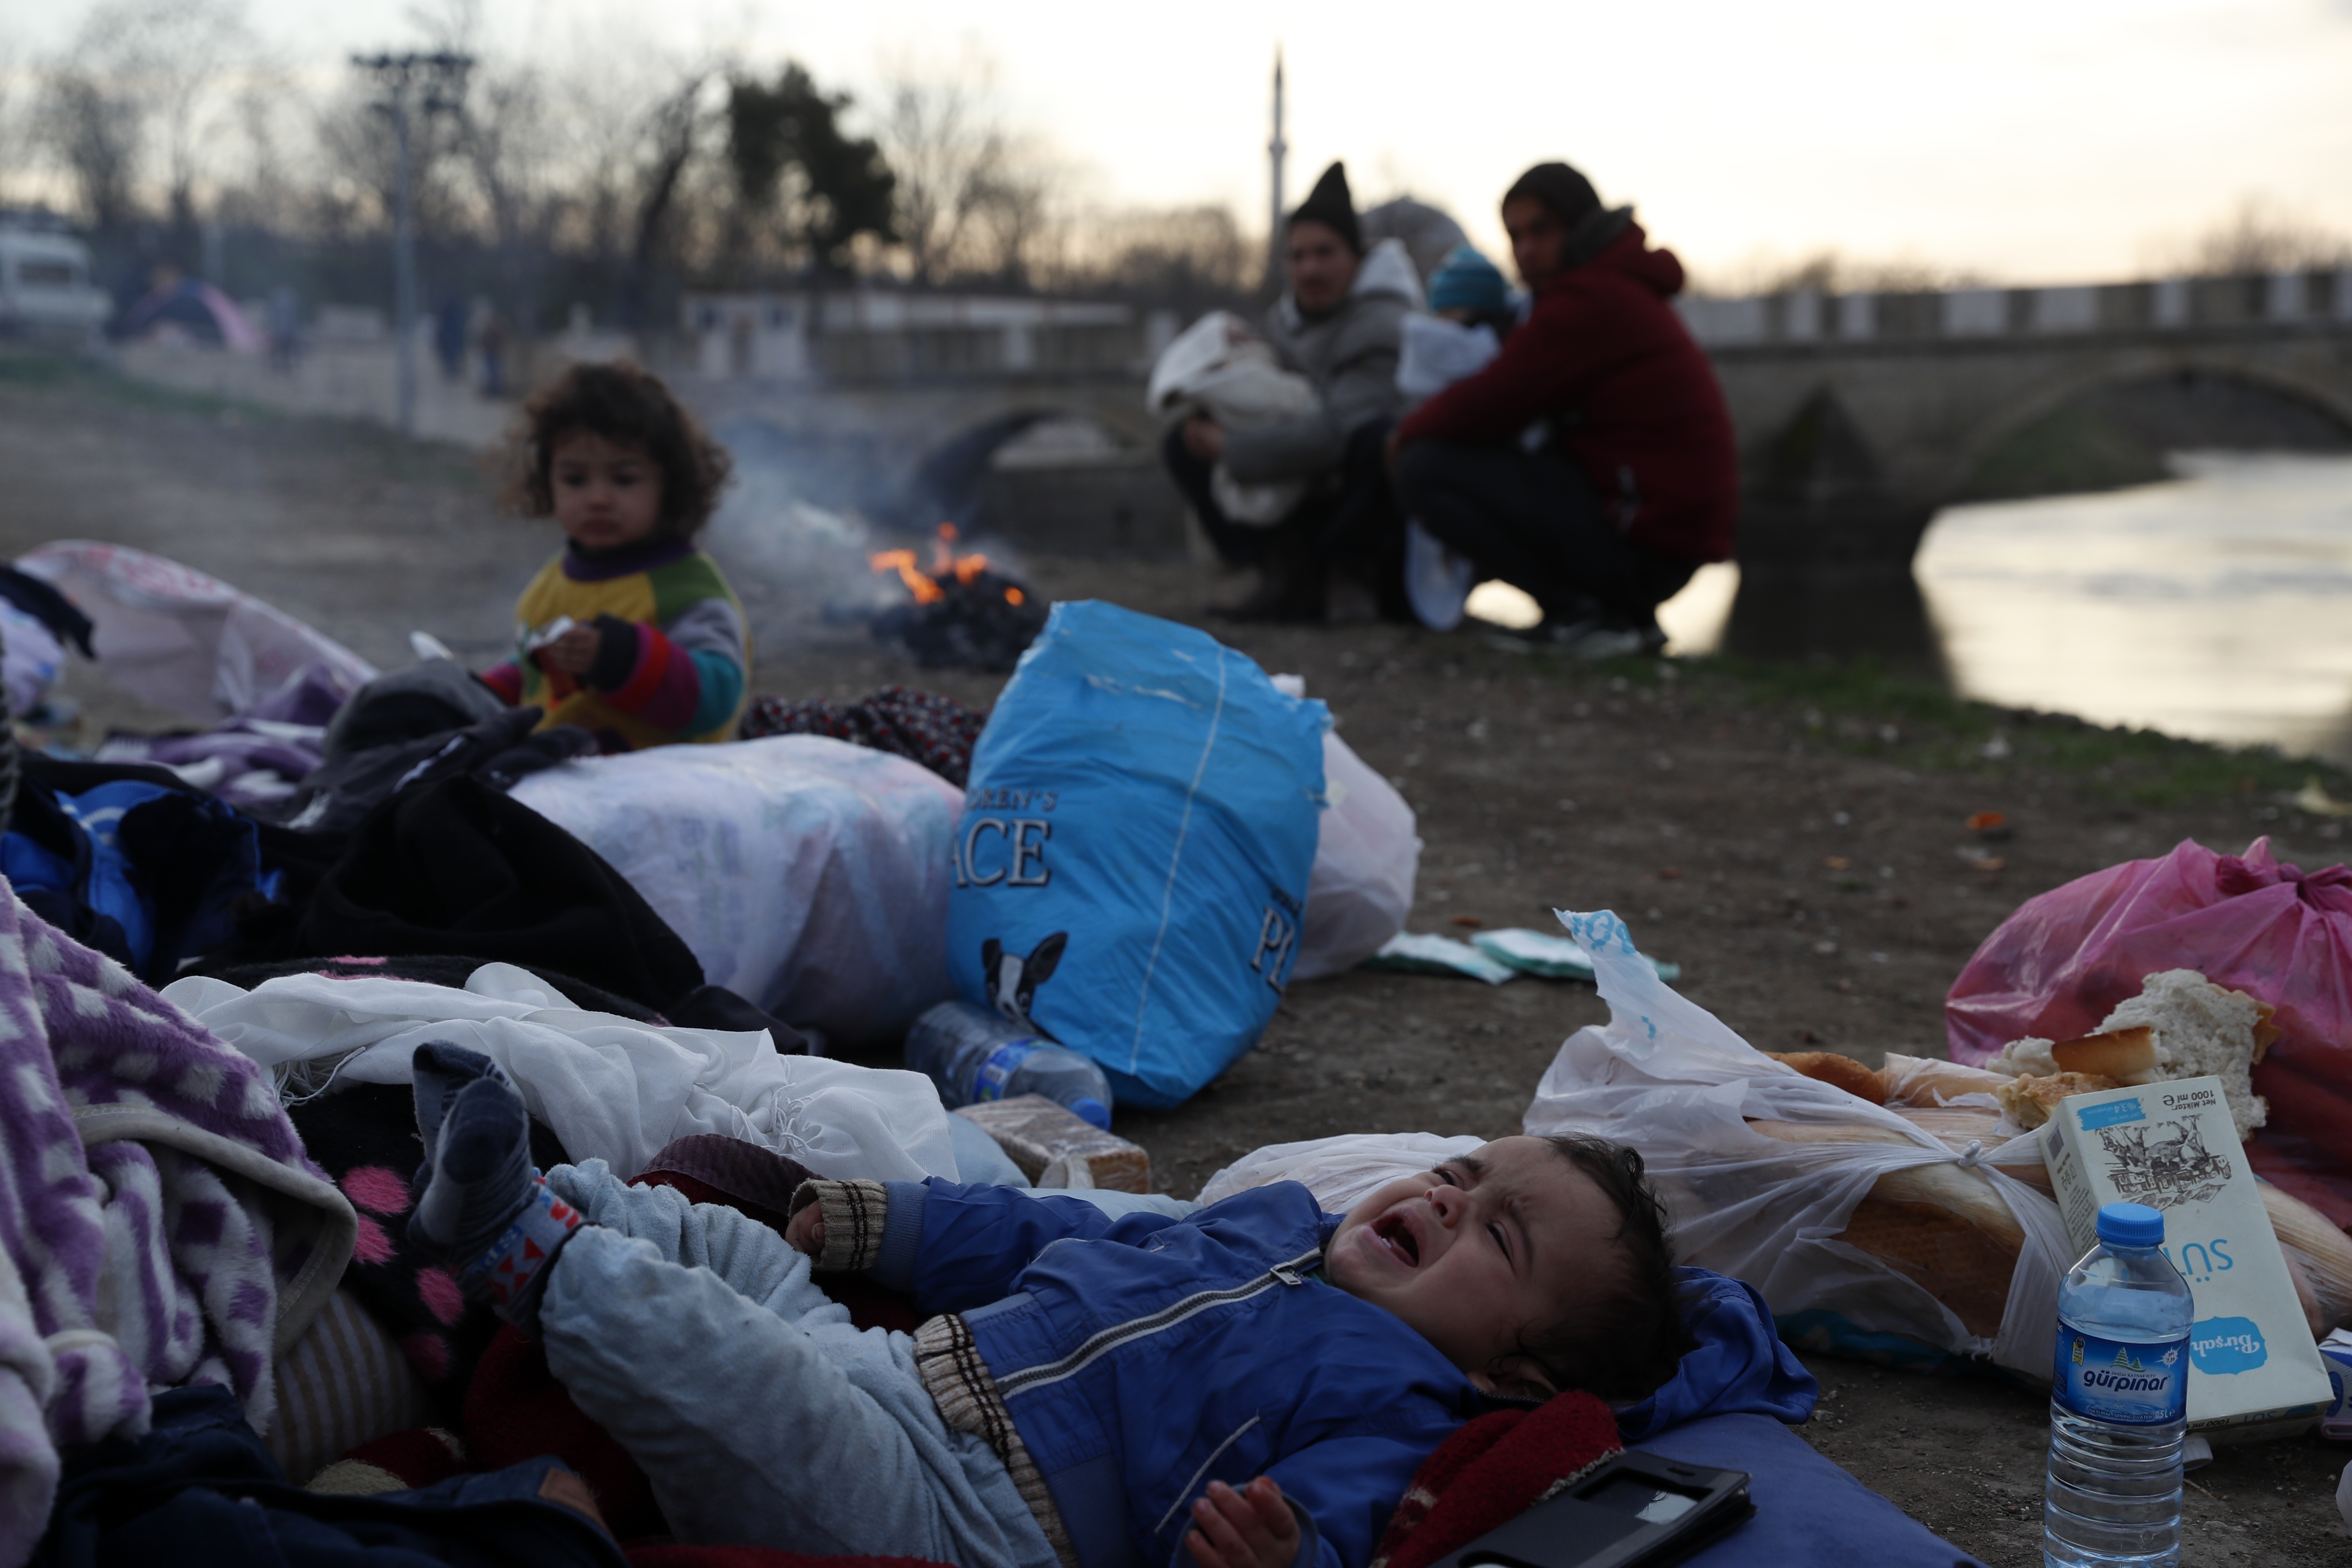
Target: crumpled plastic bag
(179, 639)
(1668, 1077)
(1367, 856)
(611, 1088)
(1340, 1171)
(2066, 958)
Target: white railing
(2319, 299)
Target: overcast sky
(2027, 139)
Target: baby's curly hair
(1628, 1340)
(620, 403)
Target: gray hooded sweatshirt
(1349, 356)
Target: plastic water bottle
(974, 1055)
(2119, 1401)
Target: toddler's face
(1478, 1251)
(607, 493)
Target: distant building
(867, 334)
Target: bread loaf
(1831, 1067)
(2031, 1100)
(1944, 1227)
(1924, 1080)
(2126, 1056)
(1949, 1229)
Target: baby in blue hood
(1251, 1386)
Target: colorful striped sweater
(671, 663)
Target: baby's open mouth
(1393, 1230)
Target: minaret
(1273, 152)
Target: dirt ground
(1814, 895)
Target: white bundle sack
(1221, 367)
(179, 639)
(1667, 1078)
(1367, 856)
(804, 873)
(610, 1088)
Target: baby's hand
(805, 1231)
(1251, 1528)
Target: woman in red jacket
(1592, 464)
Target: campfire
(963, 612)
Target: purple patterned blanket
(160, 1224)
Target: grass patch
(1860, 708)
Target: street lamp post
(410, 83)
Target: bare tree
(1189, 258)
(2260, 237)
(946, 140)
(137, 67)
(95, 128)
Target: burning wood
(964, 612)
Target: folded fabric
(162, 1223)
(808, 875)
(336, 795)
(201, 1489)
(923, 726)
(344, 1382)
(432, 969)
(256, 758)
(1491, 1471)
(611, 1088)
(131, 860)
(456, 867)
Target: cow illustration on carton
(2175, 1169)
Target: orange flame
(925, 590)
(930, 587)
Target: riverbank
(1795, 836)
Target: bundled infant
(1259, 1381)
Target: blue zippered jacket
(1143, 1357)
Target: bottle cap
(1087, 1109)
(2131, 1225)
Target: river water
(2216, 606)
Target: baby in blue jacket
(1257, 1381)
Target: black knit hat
(1330, 204)
(1559, 187)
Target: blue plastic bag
(1131, 865)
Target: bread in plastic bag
(2066, 959)
(1868, 1234)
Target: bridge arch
(2080, 385)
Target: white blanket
(610, 1088)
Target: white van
(46, 293)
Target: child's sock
(483, 1207)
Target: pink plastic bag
(2064, 961)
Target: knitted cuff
(853, 1213)
(616, 653)
(506, 1274)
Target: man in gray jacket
(1340, 324)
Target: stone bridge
(1858, 414)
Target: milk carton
(2253, 1369)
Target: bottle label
(998, 1069)
(2127, 1382)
